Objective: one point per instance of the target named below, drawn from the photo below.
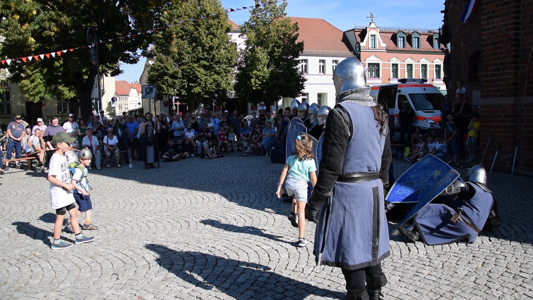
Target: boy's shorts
(63, 210)
(298, 188)
(84, 202)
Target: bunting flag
(469, 9)
(60, 52)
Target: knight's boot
(357, 295)
(374, 285)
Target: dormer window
(373, 41)
(415, 40)
(436, 45)
(401, 39)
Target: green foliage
(194, 60)
(34, 27)
(267, 68)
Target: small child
(299, 166)
(61, 192)
(441, 148)
(232, 140)
(81, 186)
(473, 134)
(223, 139)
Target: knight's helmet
(313, 112)
(349, 74)
(322, 114)
(477, 174)
(85, 154)
(303, 110)
(294, 104)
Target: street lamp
(94, 61)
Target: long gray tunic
(352, 231)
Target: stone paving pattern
(213, 229)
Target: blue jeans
(10, 144)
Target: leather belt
(358, 177)
(468, 222)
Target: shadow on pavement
(237, 279)
(37, 233)
(243, 229)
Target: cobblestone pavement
(213, 229)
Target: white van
(425, 100)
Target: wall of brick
(502, 32)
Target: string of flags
(53, 54)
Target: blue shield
(315, 149)
(429, 174)
(296, 127)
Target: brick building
(493, 54)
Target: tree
(268, 66)
(31, 27)
(194, 60)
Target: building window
(334, 65)
(5, 103)
(305, 97)
(303, 66)
(435, 42)
(322, 66)
(373, 70)
(424, 71)
(394, 71)
(416, 42)
(438, 73)
(401, 42)
(322, 99)
(63, 107)
(373, 41)
(409, 71)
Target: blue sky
(343, 14)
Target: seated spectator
(232, 139)
(40, 125)
(26, 141)
(269, 138)
(190, 141)
(110, 147)
(414, 136)
(91, 142)
(38, 146)
(82, 128)
(222, 138)
(203, 138)
(418, 151)
(170, 151)
(255, 143)
(246, 132)
(182, 149)
(441, 148)
(210, 150)
(431, 147)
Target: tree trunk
(83, 90)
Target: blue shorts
(84, 202)
(296, 188)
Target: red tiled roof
(122, 87)
(234, 25)
(320, 36)
(137, 86)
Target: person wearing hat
(111, 146)
(70, 125)
(61, 196)
(15, 134)
(40, 125)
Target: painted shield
(318, 153)
(427, 174)
(296, 127)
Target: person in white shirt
(103, 117)
(91, 142)
(71, 126)
(441, 148)
(177, 128)
(40, 125)
(110, 147)
(460, 88)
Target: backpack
(73, 166)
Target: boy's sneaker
(302, 242)
(294, 219)
(61, 245)
(84, 239)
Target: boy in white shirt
(61, 188)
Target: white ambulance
(425, 100)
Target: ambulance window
(391, 102)
(401, 100)
(427, 101)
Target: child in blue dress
(299, 169)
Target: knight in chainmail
(348, 199)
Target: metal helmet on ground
(294, 104)
(322, 114)
(477, 174)
(313, 112)
(85, 154)
(303, 110)
(349, 74)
